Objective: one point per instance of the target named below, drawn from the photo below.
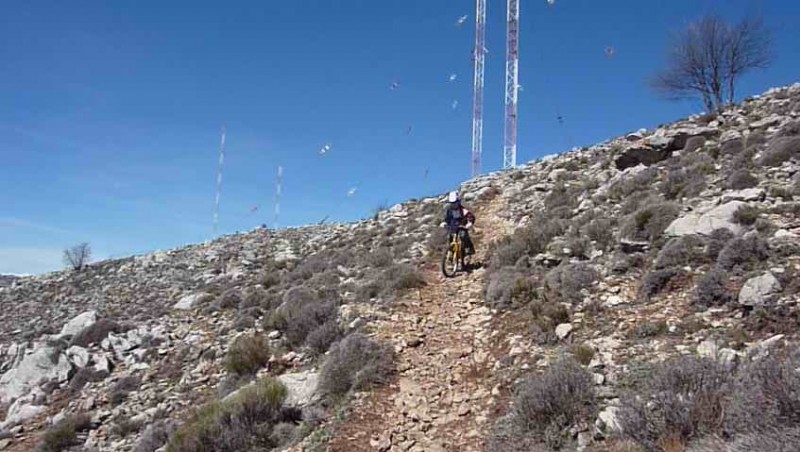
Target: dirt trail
(442, 398)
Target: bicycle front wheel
(449, 263)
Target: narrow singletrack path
(442, 397)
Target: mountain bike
(453, 259)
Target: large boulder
(563, 330)
(759, 290)
(45, 364)
(301, 387)
(730, 135)
(747, 194)
(78, 356)
(766, 122)
(123, 343)
(101, 363)
(607, 422)
(19, 413)
(725, 356)
(660, 146)
(189, 301)
(720, 217)
(24, 408)
(79, 323)
(640, 155)
(11, 356)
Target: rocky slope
(6, 280)
(666, 243)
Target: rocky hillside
(6, 280)
(640, 294)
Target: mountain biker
(458, 218)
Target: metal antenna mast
(479, 56)
(219, 179)
(512, 86)
(278, 190)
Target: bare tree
(708, 58)
(77, 256)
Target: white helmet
(453, 197)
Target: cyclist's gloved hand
(443, 224)
(468, 226)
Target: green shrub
(743, 252)
(601, 232)
(85, 375)
(693, 144)
(403, 277)
(636, 200)
(716, 241)
(229, 299)
(650, 221)
(567, 282)
(354, 363)
(560, 196)
(320, 339)
(779, 150)
(122, 387)
(741, 179)
(582, 353)
(639, 182)
(682, 399)
(155, 436)
(578, 246)
(270, 278)
(650, 329)
(64, 434)
(379, 258)
(732, 147)
(785, 193)
(247, 354)
(242, 422)
(507, 287)
(547, 405)
(243, 322)
(506, 252)
(770, 440)
(301, 313)
(790, 129)
(656, 281)
(678, 252)
(746, 215)
(683, 182)
(123, 427)
(743, 160)
(528, 241)
(436, 243)
(711, 288)
(712, 406)
(767, 394)
(755, 141)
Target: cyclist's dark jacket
(458, 218)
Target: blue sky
(110, 112)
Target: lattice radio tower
(219, 179)
(512, 86)
(479, 56)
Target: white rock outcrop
(301, 387)
(44, 364)
(720, 217)
(79, 323)
(759, 290)
(188, 301)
